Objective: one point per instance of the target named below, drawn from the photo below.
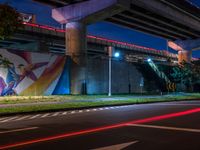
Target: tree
(10, 21)
(186, 74)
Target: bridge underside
(143, 16)
(150, 17)
(148, 22)
(59, 3)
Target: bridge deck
(98, 40)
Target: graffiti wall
(29, 73)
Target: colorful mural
(29, 73)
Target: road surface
(166, 126)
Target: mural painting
(29, 73)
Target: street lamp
(116, 54)
(111, 53)
(149, 60)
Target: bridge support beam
(90, 11)
(166, 10)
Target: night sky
(104, 29)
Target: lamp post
(111, 53)
(110, 50)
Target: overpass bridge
(41, 38)
(48, 43)
(170, 19)
(49, 40)
(173, 20)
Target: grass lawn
(58, 98)
(35, 99)
(77, 104)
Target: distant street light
(116, 54)
(149, 60)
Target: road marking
(9, 119)
(72, 112)
(3, 118)
(55, 114)
(165, 128)
(117, 146)
(22, 118)
(18, 130)
(64, 113)
(45, 115)
(35, 116)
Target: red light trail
(93, 130)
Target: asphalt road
(166, 126)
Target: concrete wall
(123, 74)
(30, 73)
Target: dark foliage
(10, 21)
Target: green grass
(75, 105)
(35, 99)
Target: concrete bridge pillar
(185, 48)
(76, 48)
(184, 56)
(76, 17)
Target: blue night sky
(104, 29)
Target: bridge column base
(184, 56)
(76, 49)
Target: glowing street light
(149, 60)
(116, 54)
